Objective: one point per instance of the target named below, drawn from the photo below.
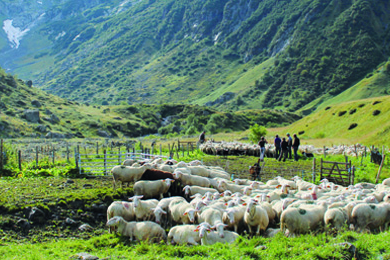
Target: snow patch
(217, 36)
(62, 34)
(77, 36)
(39, 2)
(14, 34)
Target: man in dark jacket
(277, 143)
(202, 137)
(289, 145)
(284, 146)
(295, 146)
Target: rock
(85, 227)
(222, 99)
(70, 222)
(2, 105)
(54, 119)
(85, 186)
(37, 216)
(54, 135)
(23, 224)
(79, 135)
(31, 115)
(84, 256)
(102, 133)
(20, 103)
(48, 112)
(69, 181)
(118, 118)
(43, 128)
(36, 103)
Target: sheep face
(114, 221)
(136, 200)
(190, 213)
(158, 213)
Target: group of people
(283, 147)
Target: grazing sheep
(138, 231)
(153, 175)
(234, 218)
(303, 219)
(122, 209)
(214, 218)
(151, 189)
(193, 180)
(142, 208)
(371, 216)
(160, 211)
(128, 173)
(183, 234)
(255, 217)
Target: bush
(341, 113)
(352, 126)
(376, 112)
(256, 132)
(352, 111)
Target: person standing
(277, 143)
(284, 147)
(289, 145)
(262, 143)
(295, 146)
(202, 137)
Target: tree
(256, 132)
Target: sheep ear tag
(196, 230)
(185, 213)
(302, 211)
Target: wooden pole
(53, 155)
(67, 152)
(36, 156)
(169, 150)
(188, 149)
(1, 155)
(160, 149)
(105, 161)
(324, 152)
(20, 159)
(97, 147)
(314, 170)
(380, 169)
(119, 152)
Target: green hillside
(230, 55)
(29, 112)
(363, 121)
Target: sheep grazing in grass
(138, 231)
(208, 237)
(372, 216)
(122, 209)
(128, 173)
(255, 217)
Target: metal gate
(338, 172)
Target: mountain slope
(227, 54)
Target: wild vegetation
(271, 54)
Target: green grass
(320, 246)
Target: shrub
(352, 111)
(376, 102)
(301, 132)
(341, 113)
(352, 126)
(327, 108)
(376, 112)
(362, 105)
(256, 132)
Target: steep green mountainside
(228, 54)
(360, 121)
(29, 112)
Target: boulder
(37, 216)
(36, 103)
(42, 128)
(54, 119)
(54, 135)
(102, 133)
(32, 115)
(48, 112)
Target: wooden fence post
(105, 161)
(76, 159)
(20, 159)
(67, 152)
(314, 170)
(188, 149)
(53, 155)
(1, 154)
(119, 158)
(36, 156)
(380, 169)
(324, 152)
(169, 151)
(160, 149)
(97, 147)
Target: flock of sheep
(237, 148)
(212, 209)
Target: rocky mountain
(228, 54)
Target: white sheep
(255, 217)
(192, 190)
(160, 211)
(386, 182)
(209, 237)
(214, 218)
(192, 180)
(138, 231)
(181, 212)
(151, 189)
(128, 173)
(234, 218)
(122, 209)
(224, 185)
(183, 234)
(142, 208)
(303, 219)
(371, 216)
